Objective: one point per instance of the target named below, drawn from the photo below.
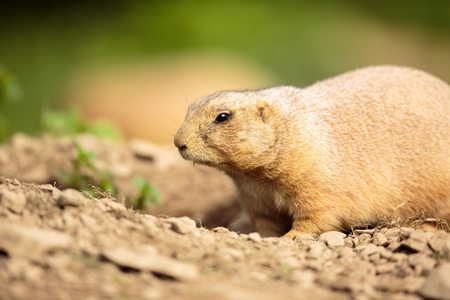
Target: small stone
(394, 246)
(437, 285)
(379, 239)
(183, 225)
(23, 241)
(255, 237)
(422, 263)
(385, 268)
(145, 260)
(437, 240)
(365, 231)
(14, 201)
(349, 242)
(406, 232)
(399, 257)
(364, 239)
(71, 197)
(143, 149)
(417, 241)
(220, 229)
(393, 234)
(367, 250)
(385, 253)
(333, 238)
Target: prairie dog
(342, 152)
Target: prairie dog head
(230, 131)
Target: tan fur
(343, 152)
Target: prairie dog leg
(266, 221)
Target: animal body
(342, 152)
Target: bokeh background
(140, 63)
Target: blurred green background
(43, 43)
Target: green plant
(148, 195)
(84, 173)
(87, 178)
(70, 122)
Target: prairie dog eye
(222, 118)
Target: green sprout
(80, 180)
(148, 195)
(71, 122)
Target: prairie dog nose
(181, 145)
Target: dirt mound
(185, 190)
(61, 244)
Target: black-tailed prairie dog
(343, 152)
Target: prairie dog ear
(265, 111)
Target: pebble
(437, 285)
(145, 260)
(22, 241)
(183, 225)
(393, 234)
(437, 240)
(417, 241)
(364, 239)
(333, 238)
(385, 268)
(255, 237)
(71, 197)
(379, 239)
(349, 242)
(367, 250)
(220, 229)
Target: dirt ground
(58, 243)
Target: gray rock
(379, 239)
(364, 239)
(437, 240)
(385, 268)
(183, 225)
(422, 263)
(23, 241)
(406, 232)
(149, 260)
(349, 242)
(367, 250)
(437, 285)
(393, 234)
(255, 237)
(417, 241)
(14, 201)
(221, 229)
(71, 197)
(333, 238)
